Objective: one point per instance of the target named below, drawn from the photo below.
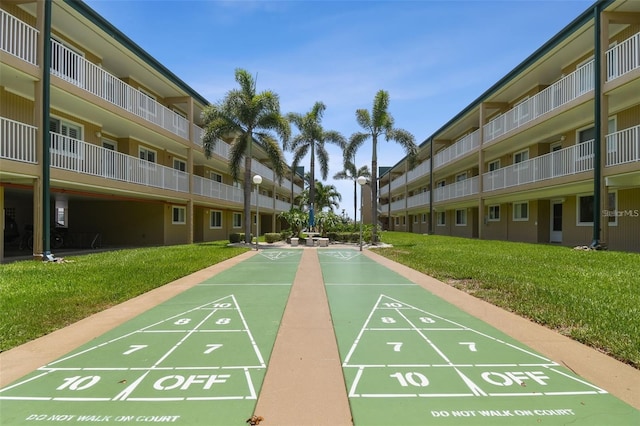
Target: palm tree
(379, 123)
(326, 196)
(243, 117)
(350, 173)
(311, 140)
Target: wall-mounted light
(98, 134)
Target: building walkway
(312, 337)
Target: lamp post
(361, 181)
(257, 179)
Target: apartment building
(548, 154)
(122, 136)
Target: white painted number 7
(212, 348)
(133, 349)
(396, 346)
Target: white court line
(253, 342)
(355, 343)
(368, 285)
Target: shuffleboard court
(197, 359)
(411, 358)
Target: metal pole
(257, 215)
(46, 155)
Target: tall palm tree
(311, 140)
(350, 173)
(376, 124)
(243, 117)
(327, 196)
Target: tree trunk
(248, 183)
(374, 190)
(355, 200)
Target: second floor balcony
(456, 190)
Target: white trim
(236, 214)
(212, 214)
(182, 218)
(464, 216)
(513, 212)
(489, 213)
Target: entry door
(556, 222)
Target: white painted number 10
(411, 378)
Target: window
(397, 221)
(215, 219)
(179, 165)
(494, 213)
(521, 211)
(237, 220)
(67, 135)
(424, 218)
(416, 218)
(179, 215)
(147, 154)
(460, 177)
(494, 165)
(585, 209)
(521, 156)
(461, 217)
(441, 218)
(612, 207)
(441, 183)
(215, 177)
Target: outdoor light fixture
(257, 179)
(361, 181)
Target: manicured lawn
(591, 296)
(38, 298)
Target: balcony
(422, 169)
(18, 141)
(457, 150)
(567, 161)
(398, 205)
(81, 157)
(456, 190)
(219, 191)
(567, 89)
(623, 146)
(623, 58)
(73, 68)
(17, 38)
(418, 200)
(399, 181)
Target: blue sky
(434, 57)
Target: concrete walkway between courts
(312, 336)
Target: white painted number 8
(388, 320)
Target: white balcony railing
(282, 206)
(18, 38)
(457, 150)
(212, 189)
(567, 89)
(399, 181)
(398, 205)
(418, 200)
(456, 190)
(567, 161)
(78, 156)
(17, 141)
(422, 169)
(623, 58)
(623, 146)
(70, 66)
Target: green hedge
(237, 237)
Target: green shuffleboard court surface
(410, 358)
(197, 359)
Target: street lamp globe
(361, 180)
(257, 179)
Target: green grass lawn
(591, 296)
(37, 298)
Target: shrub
(272, 237)
(237, 237)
